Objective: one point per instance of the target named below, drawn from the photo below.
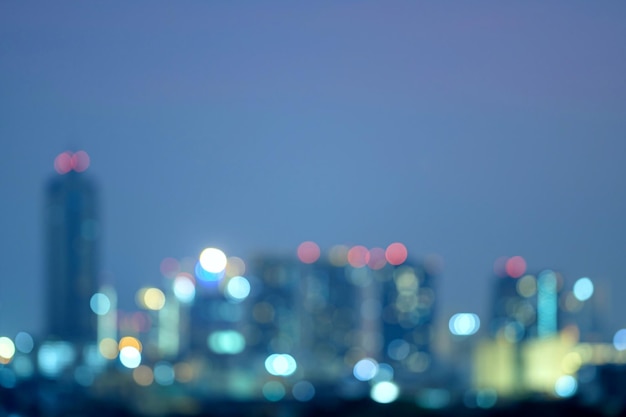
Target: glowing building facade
(72, 246)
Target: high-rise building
(71, 246)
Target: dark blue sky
(470, 130)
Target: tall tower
(72, 229)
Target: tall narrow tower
(71, 244)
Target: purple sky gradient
(467, 130)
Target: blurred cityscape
(347, 331)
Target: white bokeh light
(184, 289)
(130, 357)
(365, 369)
(583, 289)
(280, 364)
(213, 260)
(237, 288)
(384, 392)
(464, 324)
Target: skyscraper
(72, 229)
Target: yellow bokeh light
(7, 350)
(571, 363)
(129, 341)
(527, 286)
(143, 375)
(108, 348)
(153, 299)
(338, 255)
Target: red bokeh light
(66, 161)
(396, 253)
(358, 256)
(377, 258)
(63, 163)
(308, 252)
(515, 266)
(80, 161)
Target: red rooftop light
(68, 161)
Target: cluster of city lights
(356, 256)
(224, 278)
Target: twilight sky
(470, 130)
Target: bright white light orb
(130, 357)
(7, 348)
(365, 369)
(583, 289)
(384, 392)
(280, 364)
(566, 386)
(237, 288)
(213, 260)
(464, 324)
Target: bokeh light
(273, 391)
(583, 289)
(237, 289)
(130, 341)
(396, 253)
(206, 277)
(184, 288)
(303, 391)
(464, 324)
(226, 342)
(358, 256)
(499, 266)
(142, 375)
(108, 348)
(80, 161)
(63, 163)
(235, 266)
(566, 386)
(377, 258)
(515, 266)
(619, 339)
(280, 364)
(213, 260)
(308, 252)
(385, 373)
(398, 349)
(151, 298)
(54, 357)
(365, 369)
(24, 342)
(130, 357)
(384, 392)
(338, 255)
(7, 350)
(526, 286)
(100, 304)
(163, 373)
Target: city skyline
(472, 134)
